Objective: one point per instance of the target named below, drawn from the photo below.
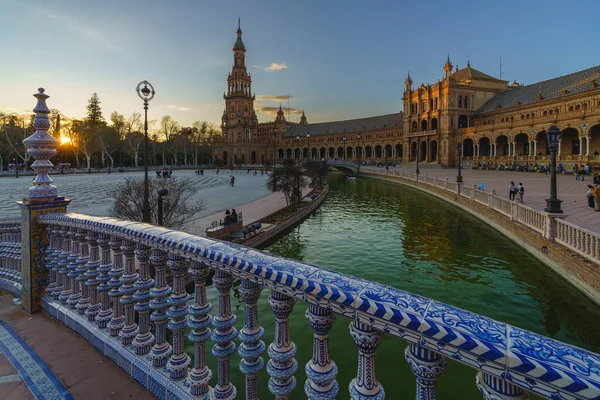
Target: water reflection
(398, 236)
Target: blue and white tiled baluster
(179, 360)
(321, 370)
(127, 290)
(365, 385)
(144, 338)
(223, 336)
(199, 321)
(252, 347)
(92, 283)
(282, 365)
(74, 271)
(161, 350)
(105, 313)
(82, 260)
(58, 246)
(66, 297)
(63, 263)
(494, 388)
(118, 319)
(50, 260)
(427, 366)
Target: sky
(334, 59)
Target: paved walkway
(251, 212)
(45, 358)
(537, 189)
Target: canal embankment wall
(577, 270)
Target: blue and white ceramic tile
(139, 371)
(546, 366)
(468, 337)
(334, 291)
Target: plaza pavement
(537, 189)
(90, 193)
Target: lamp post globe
(459, 149)
(146, 92)
(553, 203)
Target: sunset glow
(65, 140)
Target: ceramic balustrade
(480, 196)
(509, 362)
(10, 255)
(578, 239)
(502, 205)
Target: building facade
(496, 123)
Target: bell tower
(239, 119)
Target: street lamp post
(146, 94)
(459, 149)
(309, 152)
(344, 152)
(417, 156)
(274, 147)
(297, 155)
(16, 167)
(161, 193)
(358, 153)
(553, 203)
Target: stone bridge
(347, 167)
(93, 275)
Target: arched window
(571, 108)
(545, 113)
(577, 107)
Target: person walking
(232, 180)
(597, 197)
(590, 196)
(521, 192)
(512, 191)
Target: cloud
(273, 110)
(257, 66)
(179, 108)
(276, 67)
(274, 97)
(10, 109)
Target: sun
(65, 140)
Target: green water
(400, 237)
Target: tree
(169, 129)
(318, 172)
(134, 135)
(95, 122)
(288, 180)
(14, 129)
(178, 205)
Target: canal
(403, 238)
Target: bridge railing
(10, 255)
(574, 238)
(100, 286)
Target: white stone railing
(531, 218)
(10, 255)
(578, 239)
(549, 226)
(480, 196)
(100, 286)
(502, 205)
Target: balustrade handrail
(498, 350)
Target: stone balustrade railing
(10, 255)
(531, 218)
(578, 239)
(551, 227)
(100, 286)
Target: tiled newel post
(42, 198)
